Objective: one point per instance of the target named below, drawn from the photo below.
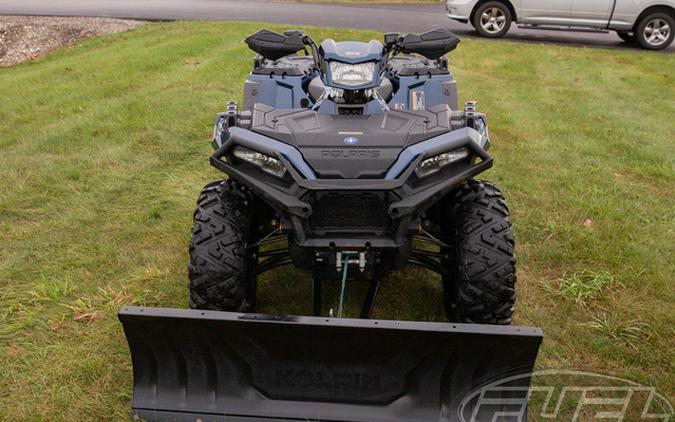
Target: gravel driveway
(27, 37)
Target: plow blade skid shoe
(192, 365)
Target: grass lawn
(103, 150)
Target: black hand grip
(432, 44)
(274, 46)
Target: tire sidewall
(475, 21)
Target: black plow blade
(204, 366)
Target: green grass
(579, 287)
(103, 149)
(630, 332)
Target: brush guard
(192, 365)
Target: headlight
(437, 162)
(352, 74)
(218, 130)
(480, 124)
(266, 163)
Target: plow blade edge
(194, 365)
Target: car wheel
(655, 31)
(628, 37)
(492, 19)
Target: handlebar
(431, 44)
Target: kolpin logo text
(325, 379)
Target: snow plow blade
(192, 365)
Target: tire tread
(217, 268)
(483, 263)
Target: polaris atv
(355, 158)
(356, 153)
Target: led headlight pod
(437, 162)
(266, 163)
(352, 74)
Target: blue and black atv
(354, 154)
(356, 159)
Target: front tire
(492, 19)
(480, 285)
(220, 264)
(655, 31)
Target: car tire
(655, 30)
(492, 19)
(628, 37)
(480, 283)
(220, 266)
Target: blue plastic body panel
(288, 92)
(351, 51)
(431, 85)
(278, 91)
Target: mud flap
(192, 365)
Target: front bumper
(460, 18)
(460, 10)
(404, 197)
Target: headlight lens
(480, 124)
(218, 130)
(352, 74)
(266, 163)
(437, 162)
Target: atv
(355, 154)
(350, 161)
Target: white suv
(649, 22)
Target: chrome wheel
(492, 20)
(656, 32)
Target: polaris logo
(349, 153)
(351, 140)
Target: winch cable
(345, 266)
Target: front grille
(350, 111)
(349, 212)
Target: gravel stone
(27, 37)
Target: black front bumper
(324, 212)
